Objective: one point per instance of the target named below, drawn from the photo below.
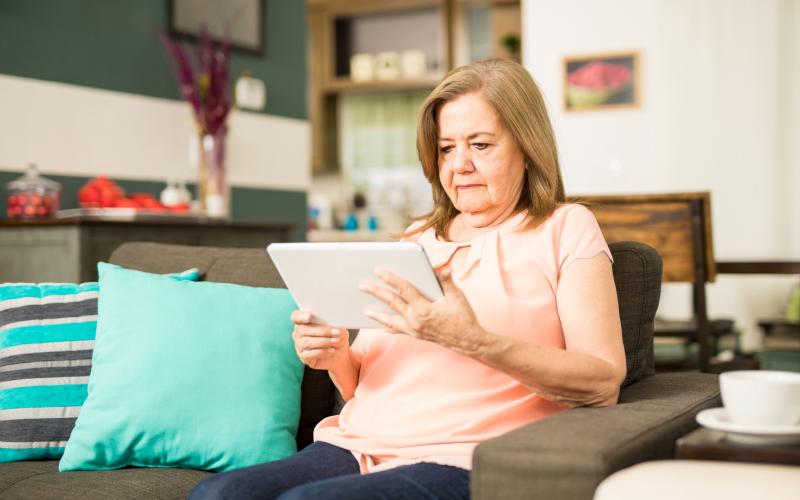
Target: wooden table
(708, 444)
(67, 250)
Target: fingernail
(380, 271)
(334, 340)
(305, 317)
(364, 287)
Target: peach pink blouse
(417, 401)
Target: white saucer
(718, 419)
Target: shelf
(342, 85)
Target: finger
(301, 317)
(318, 331)
(445, 276)
(403, 287)
(388, 297)
(392, 322)
(310, 343)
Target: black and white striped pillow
(47, 335)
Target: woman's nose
(462, 162)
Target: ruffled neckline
(439, 252)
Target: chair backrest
(677, 225)
(637, 275)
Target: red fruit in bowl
(100, 192)
(126, 203)
(149, 203)
(600, 75)
(89, 196)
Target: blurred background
(320, 99)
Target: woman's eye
(446, 149)
(480, 146)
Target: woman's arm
(587, 373)
(591, 369)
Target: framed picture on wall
(601, 81)
(243, 18)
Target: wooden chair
(678, 226)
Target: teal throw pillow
(196, 375)
(47, 334)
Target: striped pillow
(46, 338)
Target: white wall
(74, 130)
(719, 113)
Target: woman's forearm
(345, 377)
(568, 378)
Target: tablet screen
(323, 278)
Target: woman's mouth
(463, 187)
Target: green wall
(113, 45)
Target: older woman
(528, 325)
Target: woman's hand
(318, 346)
(449, 321)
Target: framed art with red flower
(602, 81)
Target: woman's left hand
(449, 321)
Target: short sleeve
(580, 237)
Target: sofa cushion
(244, 266)
(46, 337)
(198, 375)
(41, 480)
(637, 276)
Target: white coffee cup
(761, 397)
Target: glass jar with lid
(32, 196)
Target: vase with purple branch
(203, 78)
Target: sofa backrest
(637, 276)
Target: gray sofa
(561, 457)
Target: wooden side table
(708, 444)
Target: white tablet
(323, 278)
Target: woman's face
(481, 168)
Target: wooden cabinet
(441, 29)
(68, 250)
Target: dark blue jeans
(322, 471)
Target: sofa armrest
(567, 455)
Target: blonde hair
(513, 94)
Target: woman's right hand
(320, 347)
